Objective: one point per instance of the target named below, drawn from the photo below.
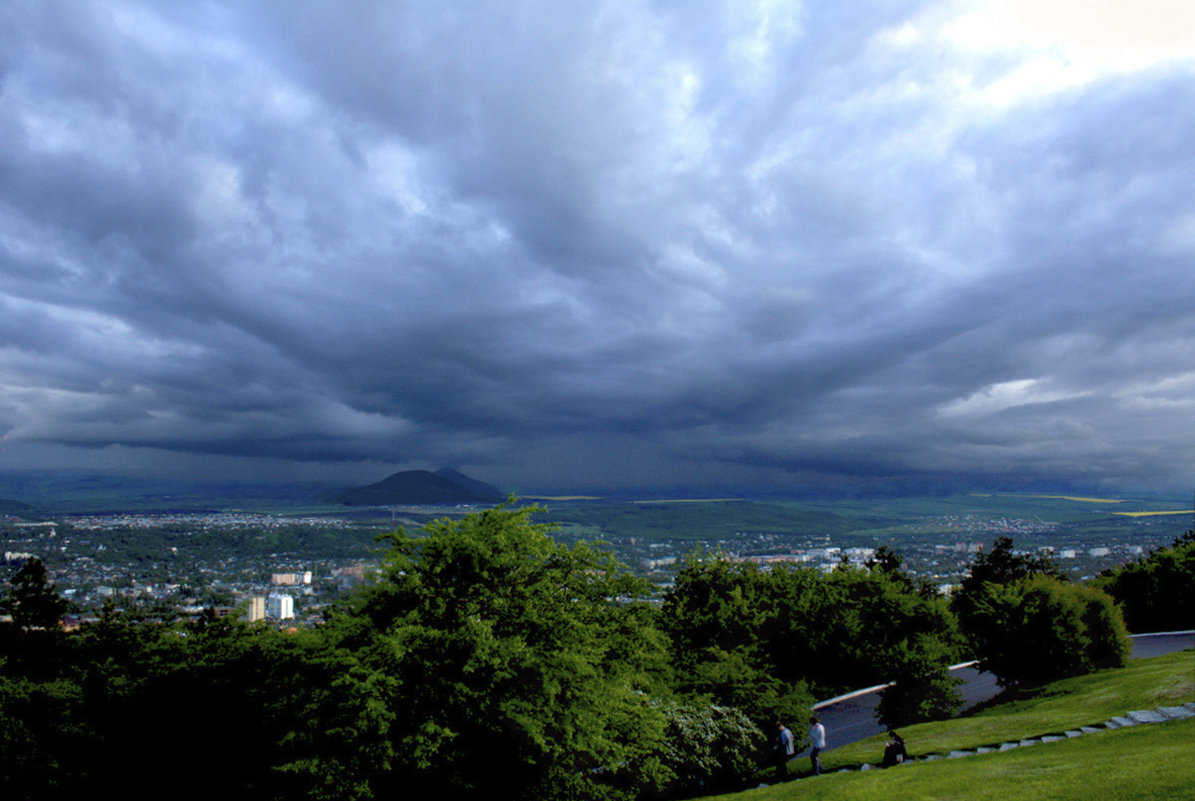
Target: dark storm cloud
(624, 243)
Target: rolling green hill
(700, 520)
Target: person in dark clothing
(894, 751)
(785, 749)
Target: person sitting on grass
(894, 751)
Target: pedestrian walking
(785, 748)
(817, 734)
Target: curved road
(850, 718)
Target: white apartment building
(257, 608)
(280, 607)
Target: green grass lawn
(1150, 763)
(1148, 754)
(1052, 709)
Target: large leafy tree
(511, 668)
(998, 567)
(1041, 628)
(1025, 622)
(761, 639)
(723, 618)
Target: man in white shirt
(817, 734)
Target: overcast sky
(623, 243)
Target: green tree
(705, 747)
(1157, 592)
(1041, 628)
(758, 640)
(1003, 565)
(32, 600)
(921, 686)
(266, 714)
(1000, 566)
(509, 666)
(42, 736)
(892, 631)
(722, 618)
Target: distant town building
(280, 607)
(1098, 552)
(257, 608)
(349, 577)
(290, 579)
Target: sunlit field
(1155, 514)
(1077, 498)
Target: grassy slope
(1067, 704)
(1081, 768)
(1150, 763)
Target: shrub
(1042, 628)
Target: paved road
(852, 717)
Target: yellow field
(1074, 498)
(1150, 514)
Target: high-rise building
(257, 609)
(280, 607)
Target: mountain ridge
(446, 485)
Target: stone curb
(1134, 718)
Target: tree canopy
(488, 660)
(1025, 622)
(767, 640)
(509, 666)
(1157, 591)
(32, 600)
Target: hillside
(716, 519)
(10, 507)
(422, 487)
(1147, 762)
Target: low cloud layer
(602, 244)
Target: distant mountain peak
(446, 485)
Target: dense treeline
(1157, 591)
(765, 641)
(488, 660)
(1026, 623)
